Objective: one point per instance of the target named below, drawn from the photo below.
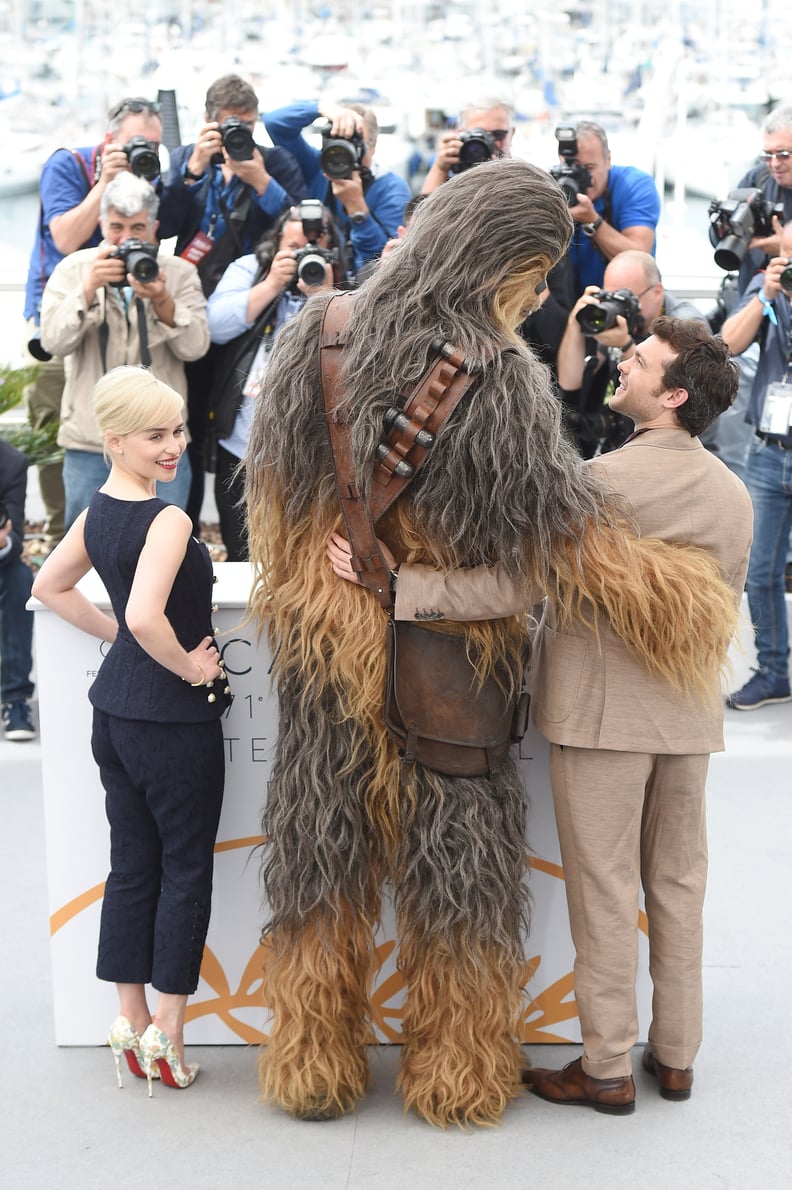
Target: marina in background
(681, 88)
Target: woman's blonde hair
(128, 399)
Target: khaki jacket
(70, 329)
(590, 694)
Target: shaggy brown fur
(502, 484)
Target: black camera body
(786, 278)
(478, 147)
(572, 177)
(340, 156)
(143, 157)
(238, 140)
(312, 259)
(735, 220)
(601, 315)
(140, 260)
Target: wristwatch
(188, 173)
(358, 217)
(591, 229)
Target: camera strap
(142, 327)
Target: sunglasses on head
(134, 107)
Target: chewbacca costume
(502, 484)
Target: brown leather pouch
(437, 711)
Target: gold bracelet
(203, 677)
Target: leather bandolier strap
(409, 433)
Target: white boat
(24, 153)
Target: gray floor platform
(65, 1124)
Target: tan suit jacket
(595, 695)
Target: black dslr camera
(601, 315)
(140, 259)
(237, 139)
(340, 156)
(143, 156)
(735, 220)
(572, 177)
(478, 146)
(311, 259)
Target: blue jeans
(84, 472)
(16, 631)
(768, 477)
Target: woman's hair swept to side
(127, 399)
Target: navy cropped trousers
(164, 789)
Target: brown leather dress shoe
(673, 1084)
(614, 1096)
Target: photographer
(256, 296)
(617, 211)
(489, 115)
(543, 328)
(119, 304)
(368, 205)
(764, 314)
(229, 192)
(70, 191)
(632, 297)
(773, 176)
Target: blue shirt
(227, 316)
(66, 179)
(199, 207)
(773, 357)
(633, 202)
(386, 197)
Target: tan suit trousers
(625, 818)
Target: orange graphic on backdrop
(548, 1009)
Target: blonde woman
(157, 702)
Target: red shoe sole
(133, 1064)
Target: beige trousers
(625, 818)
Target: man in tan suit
(629, 753)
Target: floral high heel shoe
(158, 1055)
(123, 1039)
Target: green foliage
(40, 445)
(12, 385)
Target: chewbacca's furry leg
(316, 981)
(462, 914)
(321, 880)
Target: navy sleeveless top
(131, 684)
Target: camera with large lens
(140, 260)
(785, 279)
(312, 259)
(478, 146)
(237, 139)
(340, 156)
(143, 156)
(572, 177)
(735, 220)
(601, 315)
